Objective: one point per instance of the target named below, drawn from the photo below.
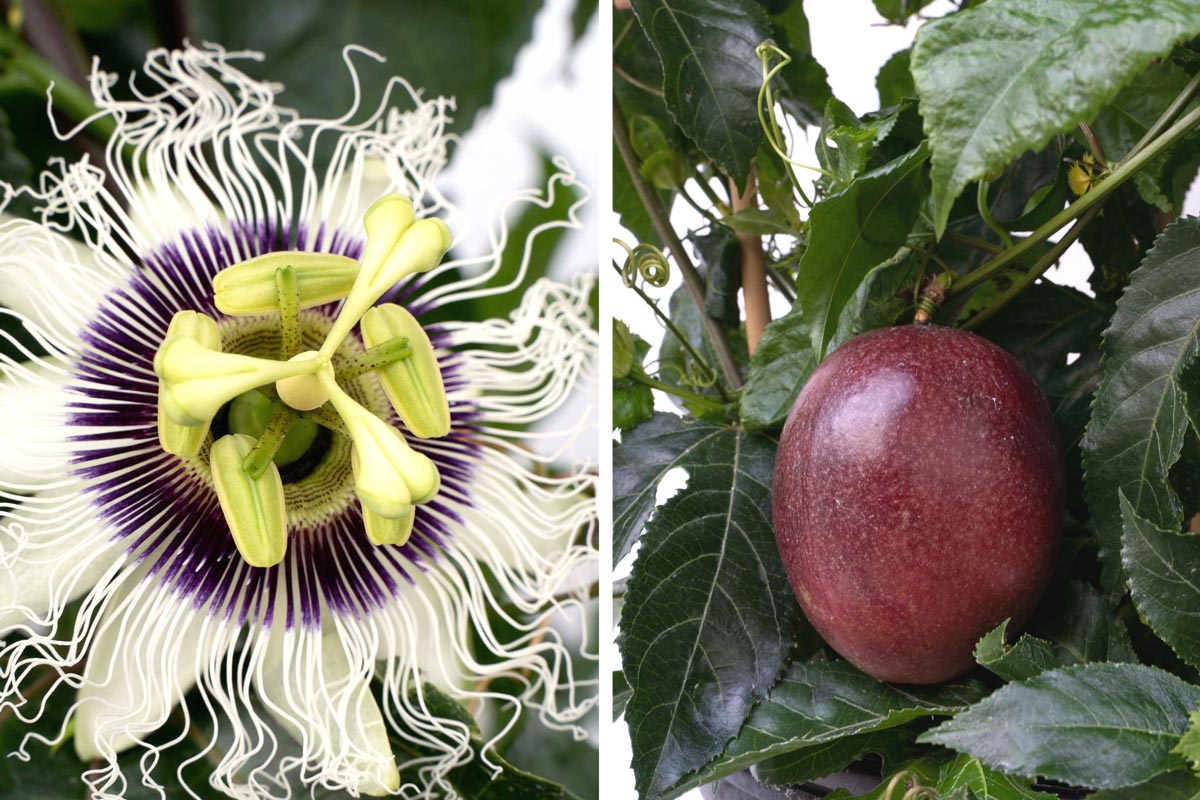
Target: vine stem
(1092, 198)
(682, 394)
(1047, 261)
(662, 225)
(754, 267)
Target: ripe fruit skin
(918, 499)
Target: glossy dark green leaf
(1161, 565)
(894, 82)
(852, 232)
(1169, 786)
(1118, 239)
(829, 757)
(1004, 77)
(807, 85)
(424, 42)
(1027, 657)
(711, 76)
(1139, 417)
(823, 701)
(984, 783)
(663, 443)
(708, 610)
(1097, 725)
(843, 145)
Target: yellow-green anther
(197, 380)
(388, 530)
(413, 384)
(254, 508)
(176, 439)
(386, 219)
(416, 247)
(250, 288)
(388, 474)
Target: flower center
(267, 409)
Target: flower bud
(388, 530)
(176, 439)
(197, 380)
(249, 287)
(254, 508)
(413, 384)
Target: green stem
(380, 355)
(662, 225)
(683, 394)
(985, 213)
(1047, 261)
(287, 291)
(708, 190)
(675, 331)
(1098, 193)
(259, 457)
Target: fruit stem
(1123, 172)
(662, 226)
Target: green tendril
(766, 115)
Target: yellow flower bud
(388, 530)
(249, 287)
(176, 439)
(254, 508)
(413, 384)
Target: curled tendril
(766, 113)
(916, 791)
(645, 260)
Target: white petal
(52, 550)
(51, 280)
(34, 450)
(144, 659)
(310, 686)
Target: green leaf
(664, 442)
(633, 404)
(823, 701)
(424, 42)
(985, 783)
(621, 692)
(807, 84)
(1168, 786)
(759, 222)
(1138, 416)
(1189, 745)
(1004, 77)
(623, 358)
(894, 82)
(853, 231)
(711, 75)
(1030, 655)
(1097, 725)
(778, 369)
(897, 11)
(843, 145)
(828, 757)
(1161, 565)
(708, 610)
(721, 256)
